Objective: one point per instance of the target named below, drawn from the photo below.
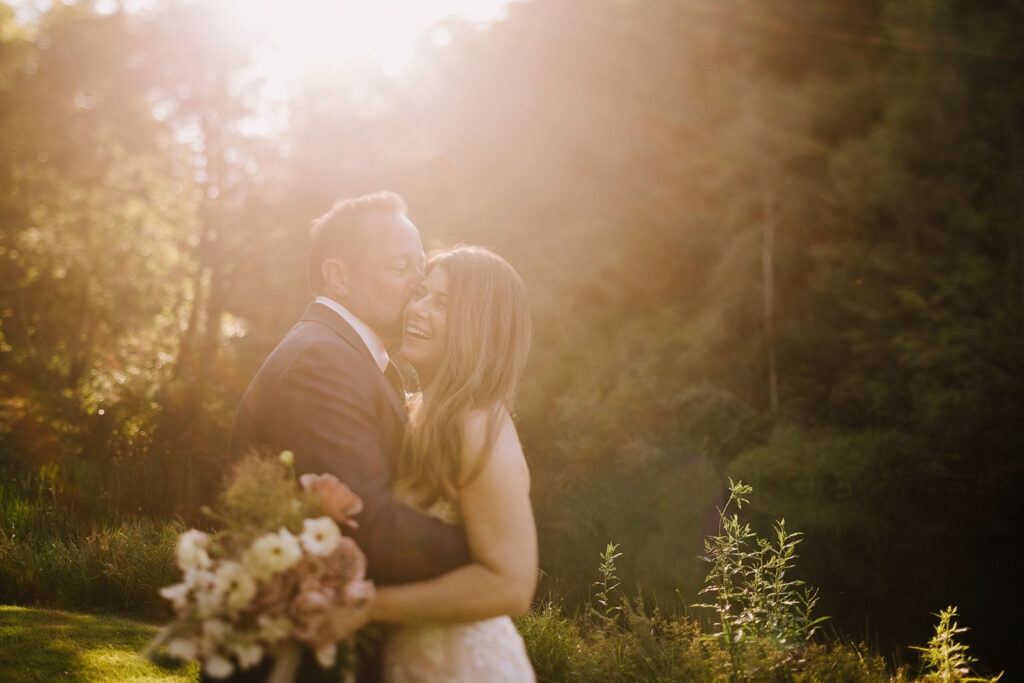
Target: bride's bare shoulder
(505, 450)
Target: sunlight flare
(315, 34)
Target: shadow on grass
(47, 645)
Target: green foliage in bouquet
(261, 494)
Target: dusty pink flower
(336, 499)
(310, 611)
(311, 566)
(276, 592)
(346, 564)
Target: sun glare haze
(303, 35)
(307, 34)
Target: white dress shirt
(370, 338)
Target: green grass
(50, 645)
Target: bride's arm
(496, 512)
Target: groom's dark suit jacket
(321, 395)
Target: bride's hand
(321, 620)
(351, 616)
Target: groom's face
(381, 283)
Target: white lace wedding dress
(489, 651)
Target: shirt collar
(370, 338)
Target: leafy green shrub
(138, 559)
(48, 557)
(637, 642)
(648, 646)
(553, 641)
(836, 481)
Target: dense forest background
(770, 239)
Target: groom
(330, 393)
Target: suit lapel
(322, 314)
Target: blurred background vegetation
(770, 239)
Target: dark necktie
(394, 378)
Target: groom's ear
(336, 275)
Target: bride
(467, 334)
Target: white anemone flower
(320, 536)
(247, 654)
(191, 550)
(327, 656)
(177, 595)
(217, 666)
(272, 553)
(202, 583)
(198, 578)
(184, 649)
(233, 586)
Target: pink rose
(336, 499)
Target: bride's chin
(408, 353)
(411, 357)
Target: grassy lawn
(49, 645)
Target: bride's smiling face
(426, 325)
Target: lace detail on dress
(488, 650)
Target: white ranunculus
(191, 550)
(272, 553)
(320, 536)
(217, 666)
(234, 586)
(176, 594)
(327, 656)
(184, 649)
(247, 654)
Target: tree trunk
(768, 271)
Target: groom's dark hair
(340, 231)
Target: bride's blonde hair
(488, 339)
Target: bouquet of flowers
(280, 575)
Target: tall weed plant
(751, 597)
(945, 659)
